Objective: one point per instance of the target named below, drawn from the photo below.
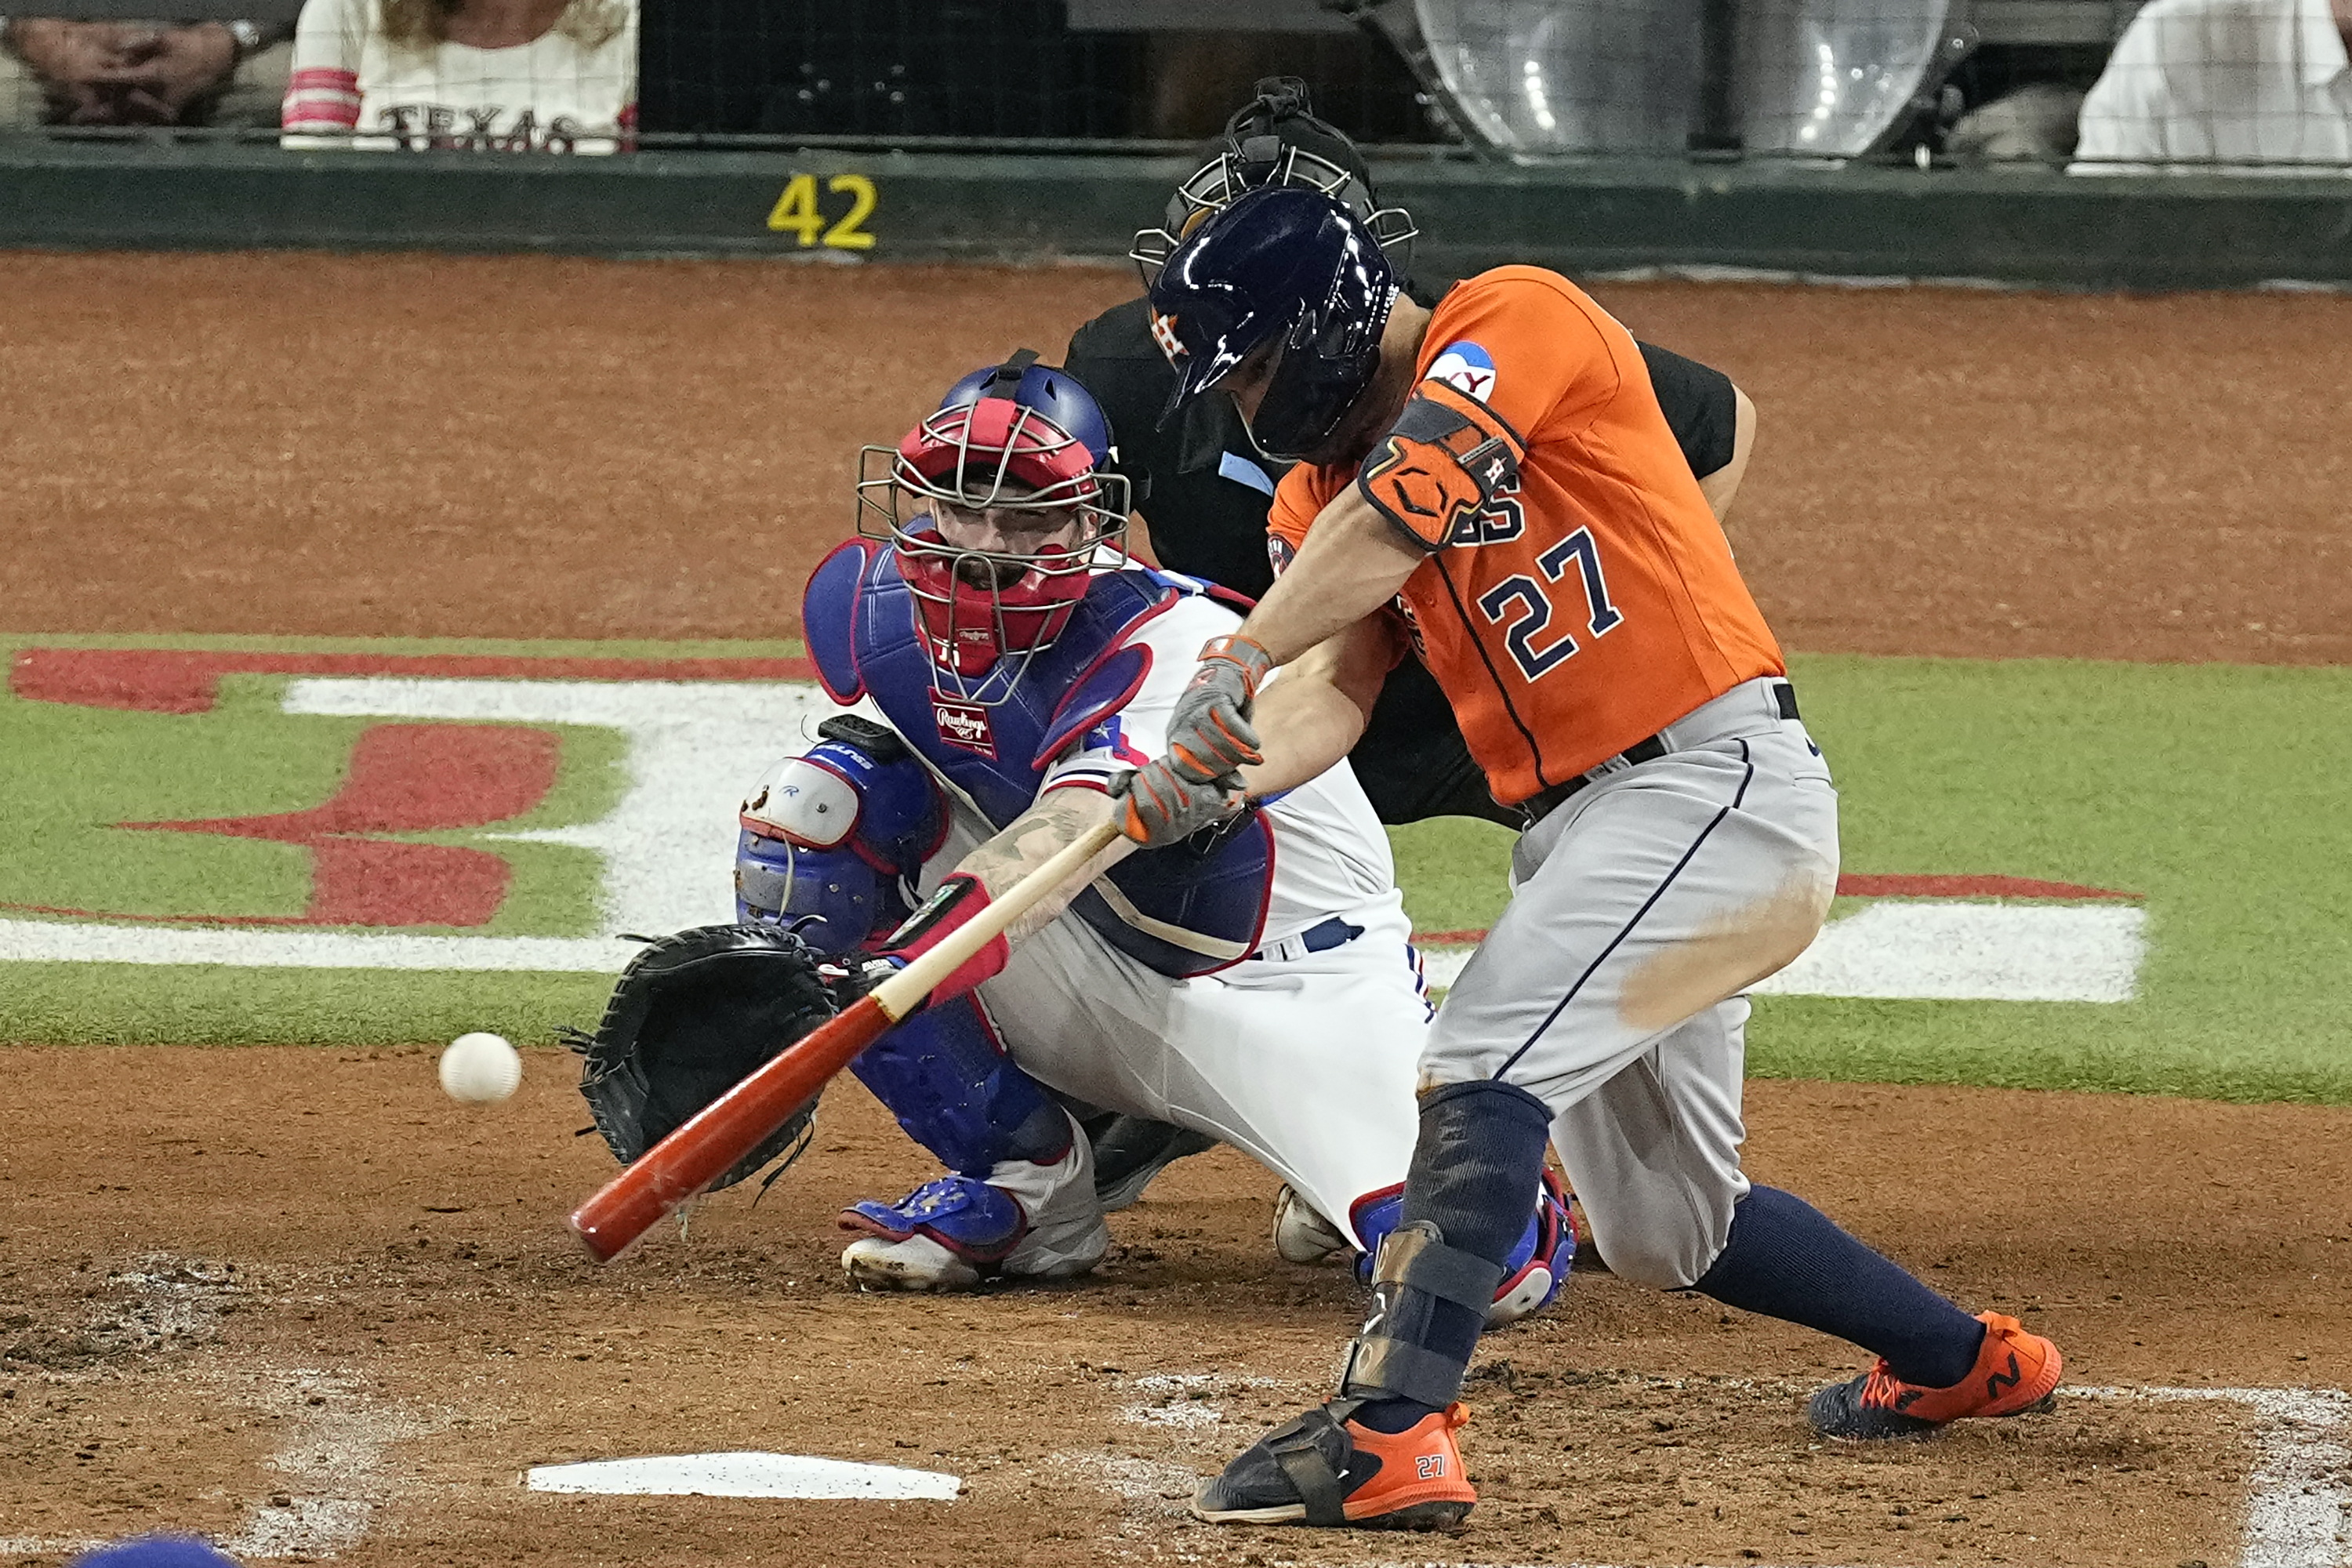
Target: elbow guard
(827, 837)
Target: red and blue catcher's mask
(1024, 442)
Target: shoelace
(1881, 1389)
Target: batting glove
(1161, 806)
(1209, 735)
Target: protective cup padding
(691, 1016)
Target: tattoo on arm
(1033, 837)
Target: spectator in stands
(2241, 84)
(55, 71)
(511, 76)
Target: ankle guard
(1397, 1357)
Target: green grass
(70, 774)
(144, 1003)
(2215, 791)
(67, 773)
(2218, 791)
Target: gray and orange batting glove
(1158, 804)
(1209, 735)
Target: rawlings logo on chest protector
(964, 725)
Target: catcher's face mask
(996, 513)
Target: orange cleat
(1327, 1469)
(2016, 1375)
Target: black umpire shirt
(1204, 490)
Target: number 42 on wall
(796, 211)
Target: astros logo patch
(1163, 333)
(1465, 367)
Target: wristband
(959, 900)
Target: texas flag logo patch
(1465, 367)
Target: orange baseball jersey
(1579, 594)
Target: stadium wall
(2027, 228)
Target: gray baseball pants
(1612, 987)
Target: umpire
(1203, 489)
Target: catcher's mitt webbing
(691, 1016)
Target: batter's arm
(1059, 818)
(1723, 484)
(1353, 563)
(1315, 711)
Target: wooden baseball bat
(698, 1151)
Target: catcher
(1256, 984)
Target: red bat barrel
(697, 1152)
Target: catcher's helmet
(1018, 437)
(1285, 268)
(1274, 140)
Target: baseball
(480, 1068)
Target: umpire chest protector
(1185, 910)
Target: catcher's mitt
(691, 1016)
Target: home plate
(741, 1475)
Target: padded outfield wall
(2015, 226)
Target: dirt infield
(524, 446)
(299, 1299)
(300, 1302)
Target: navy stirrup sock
(1787, 1259)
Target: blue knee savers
(1534, 1270)
(830, 841)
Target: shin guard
(946, 1076)
(1479, 1154)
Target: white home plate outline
(744, 1473)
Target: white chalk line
(333, 1460)
(1935, 949)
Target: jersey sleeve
(1518, 350)
(323, 87)
(1699, 405)
(1296, 498)
(1138, 730)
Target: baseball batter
(1490, 486)
(1203, 488)
(1255, 984)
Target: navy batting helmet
(1289, 269)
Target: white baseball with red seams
(480, 1068)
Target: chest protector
(1183, 909)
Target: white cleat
(951, 1234)
(1301, 1235)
